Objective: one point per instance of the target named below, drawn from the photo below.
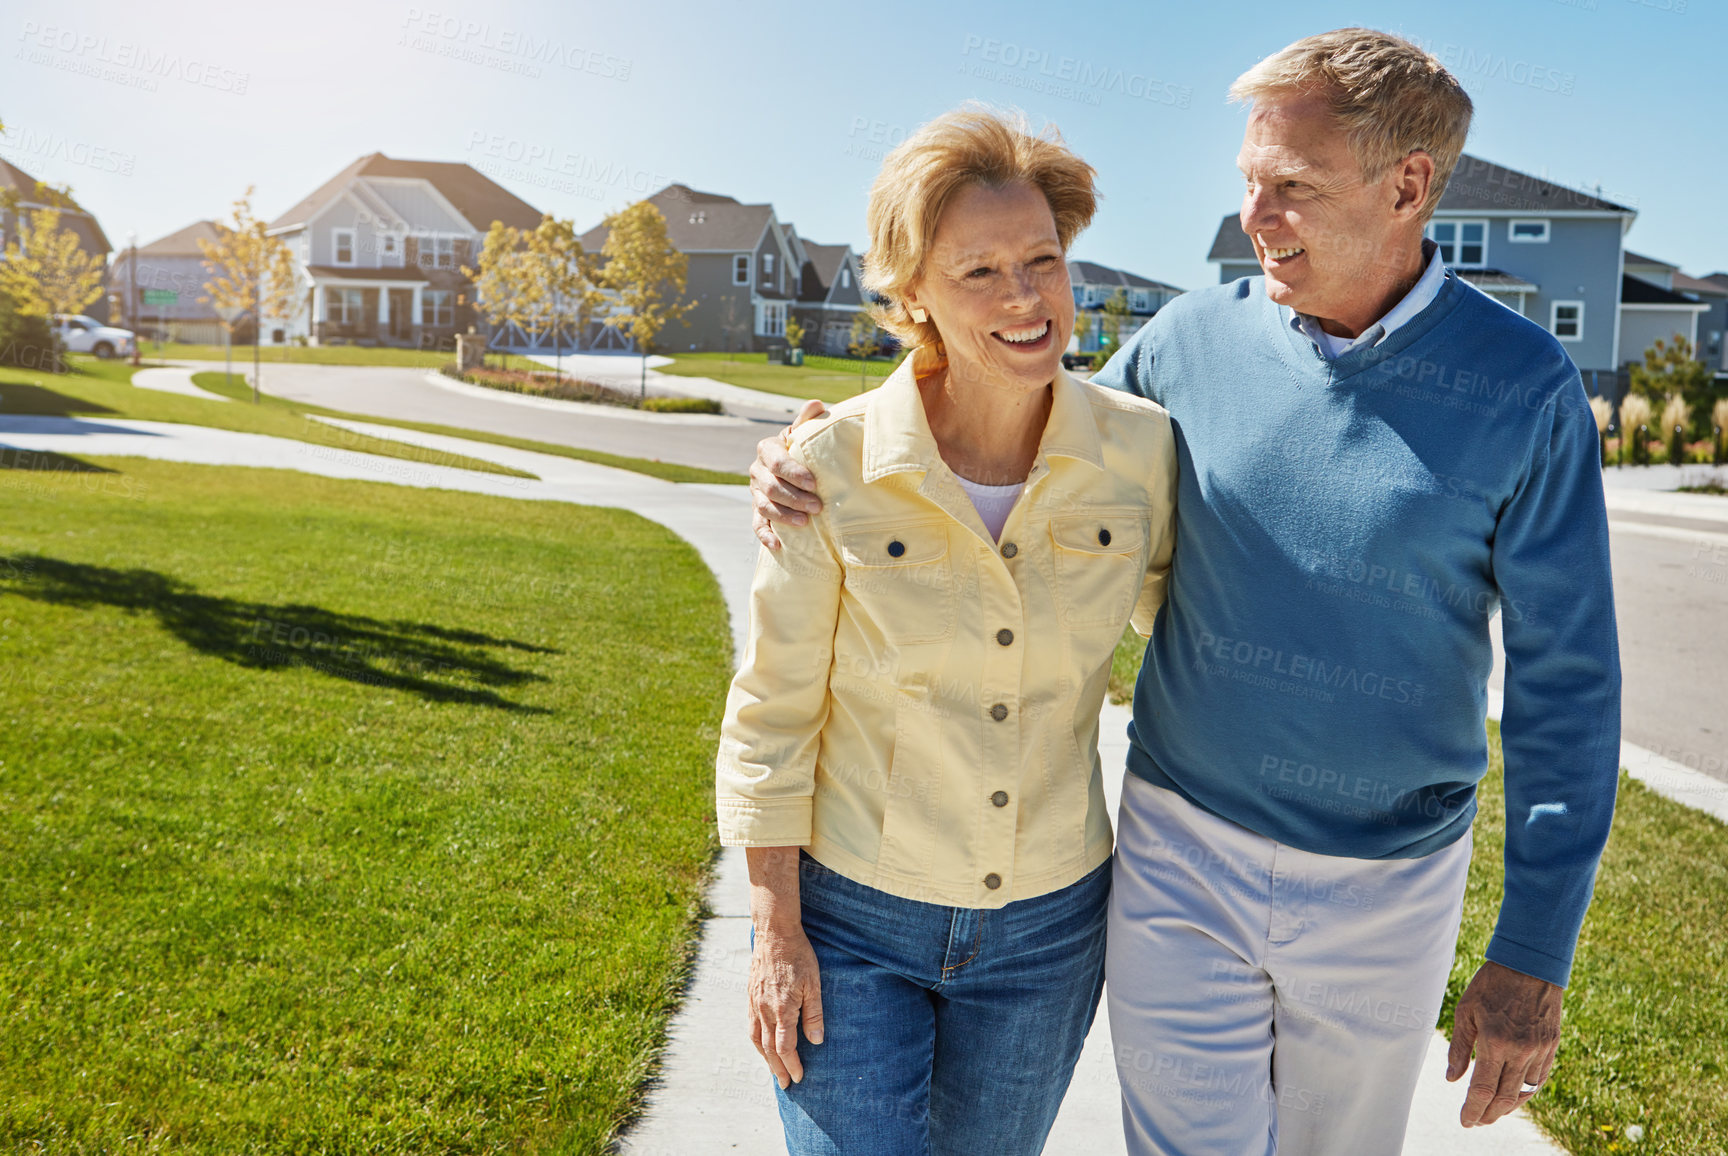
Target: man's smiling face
(1325, 237)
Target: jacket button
(992, 881)
(1000, 798)
(1009, 549)
(896, 548)
(1103, 538)
(1005, 636)
(999, 712)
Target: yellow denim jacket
(918, 704)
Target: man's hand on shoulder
(1512, 1022)
(781, 489)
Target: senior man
(1375, 458)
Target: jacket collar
(897, 437)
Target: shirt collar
(1421, 296)
(897, 435)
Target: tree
(1082, 328)
(500, 283)
(733, 322)
(794, 334)
(250, 272)
(557, 276)
(1670, 368)
(1116, 315)
(865, 343)
(45, 272)
(646, 275)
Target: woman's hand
(785, 984)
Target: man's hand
(1512, 1021)
(782, 490)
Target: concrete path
(714, 1095)
(173, 380)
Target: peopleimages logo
(1066, 76)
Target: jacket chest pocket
(903, 578)
(1100, 559)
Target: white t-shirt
(993, 503)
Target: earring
(919, 315)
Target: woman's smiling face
(995, 284)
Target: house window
(768, 267)
(741, 269)
(773, 319)
(435, 307)
(439, 251)
(1142, 301)
(392, 249)
(344, 306)
(845, 277)
(1462, 243)
(344, 242)
(1567, 320)
(1528, 232)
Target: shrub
(1634, 413)
(25, 342)
(541, 384)
(682, 405)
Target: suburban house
(748, 272)
(21, 194)
(1096, 284)
(1712, 293)
(171, 265)
(1551, 253)
(1650, 309)
(380, 247)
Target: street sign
(161, 297)
(229, 312)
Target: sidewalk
(713, 1094)
(626, 373)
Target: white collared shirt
(1421, 295)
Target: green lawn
(219, 382)
(1646, 1035)
(829, 379)
(300, 354)
(339, 816)
(102, 389)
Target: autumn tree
(865, 342)
(501, 282)
(646, 276)
(250, 272)
(1670, 368)
(46, 273)
(794, 333)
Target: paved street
(717, 443)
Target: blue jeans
(949, 1031)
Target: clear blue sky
(158, 119)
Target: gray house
(748, 272)
(1541, 249)
(380, 249)
(172, 264)
(22, 194)
(1651, 309)
(1712, 293)
(1094, 284)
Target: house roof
(700, 222)
(1231, 243)
(1644, 262)
(1497, 279)
(1636, 291)
(76, 217)
(1479, 184)
(476, 196)
(821, 267)
(355, 273)
(183, 243)
(1092, 273)
(1714, 286)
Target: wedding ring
(1532, 1089)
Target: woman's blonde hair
(972, 145)
(1391, 98)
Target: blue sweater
(1345, 531)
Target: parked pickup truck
(81, 334)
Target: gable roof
(1714, 286)
(183, 243)
(821, 269)
(698, 222)
(1478, 184)
(1092, 273)
(75, 216)
(1644, 262)
(1231, 243)
(1637, 291)
(476, 196)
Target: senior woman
(909, 751)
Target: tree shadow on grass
(33, 399)
(438, 663)
(47, 461)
